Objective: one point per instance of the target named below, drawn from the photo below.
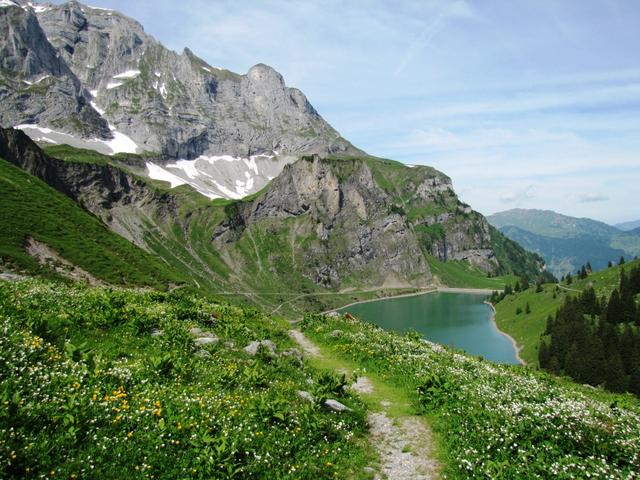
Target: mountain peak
(262, 72)
(125, 79)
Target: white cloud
(443, 139)
(592, 197)
(517, 197)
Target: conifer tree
(615, 378)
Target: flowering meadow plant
(108, 383)
(497, 421)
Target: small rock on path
(362, 385)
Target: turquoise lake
(460, 320)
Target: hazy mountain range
(566, 243)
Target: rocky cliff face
(36, 84)
(338, 223)
(118, 81)
(121, 200)
(92, 77)
(352, 235)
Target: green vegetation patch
(109, 383)
(527, 329)
(460, 274)
(30, 207)
(83, 155)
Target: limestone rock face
(105, 74)
(36, 84)
(339, 223)
(352, 231)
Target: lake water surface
(460, 320)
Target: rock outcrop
(336, 223)
(36, 84)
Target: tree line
(597, 340)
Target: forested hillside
(596, 340)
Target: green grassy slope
(513, 258)
(527, 328)
(265, 258)
(30, 207)
(83, 369)
(88, 392)
(462, 275)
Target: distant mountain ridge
(629, 226)
(566, 243)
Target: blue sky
(532, 104)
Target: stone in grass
(253, 347)
(333, 314)
(336, 333)
(199, 342)
(294, 354)
(156, 332)
(202, 353)
(195, 331)
(229, 344)
(336, 406)
(304, 395)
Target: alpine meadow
(203, 277)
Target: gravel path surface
(307, 346)
(404, 445)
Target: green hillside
(30, 208)
(526, 328)
(260, 263)
(460, 274)
(494, 421)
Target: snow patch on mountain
(156, 172)
(161, 88)
(221, 176)
(108, 11)
(36, 81)
(127, 74)
(120, 143)
(97, 108)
